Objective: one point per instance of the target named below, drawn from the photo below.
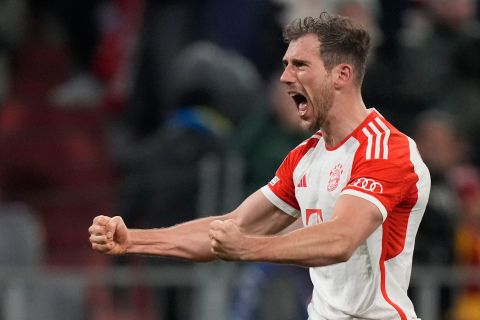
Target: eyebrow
(294, 61)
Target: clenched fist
(109, 235)
(227, 241)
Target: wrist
(257, 248)
(134, 241)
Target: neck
(345, 115)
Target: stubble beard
(321, 109)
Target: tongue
(302, 108)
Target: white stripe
(378, 135)
(368, 153)
(279, 203)
(370, 198)
(385, 137)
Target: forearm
(334, 241)
(191, 240)
(188, 241)
(308, 247)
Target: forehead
(306, 46)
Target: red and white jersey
(378, 163)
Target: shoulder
(294, 156)
(306, 145)
(380, 140)
(387, 153)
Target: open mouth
(301, 103)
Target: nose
(287, 75)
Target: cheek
(324, 93)
(308, 80)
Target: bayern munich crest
(335, 175)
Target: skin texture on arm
(354, 219)
(189, 240)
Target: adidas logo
(303, 182)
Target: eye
(299, 64)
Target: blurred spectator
(167, 28)
(58, 165)
(246, 27)
(20, 222)
(430, 72)
(76, 23)
(102, 37)
(12, 29)
(115, 61)
(249, 27)
(467, 179)
(467, 240)
(463, 98)
(466, 308)
(364, 12)
(23, 249)
(79, 25)
(442, 149)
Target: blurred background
(162, 111)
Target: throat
(331, 139)
(330, 142)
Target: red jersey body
(378, 163)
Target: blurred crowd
(164, 111)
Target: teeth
(302, 108)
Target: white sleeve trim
(370, 198)
(279, 203)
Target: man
(358, 184)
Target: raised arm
(189, 240)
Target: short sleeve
(384, 182)
(281, 190)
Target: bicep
(257, 215)
(358, 216)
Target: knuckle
(101, 220)
(93, 229)
(116, 219)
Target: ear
(343, 75)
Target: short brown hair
(341, 40)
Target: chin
(308, 126)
